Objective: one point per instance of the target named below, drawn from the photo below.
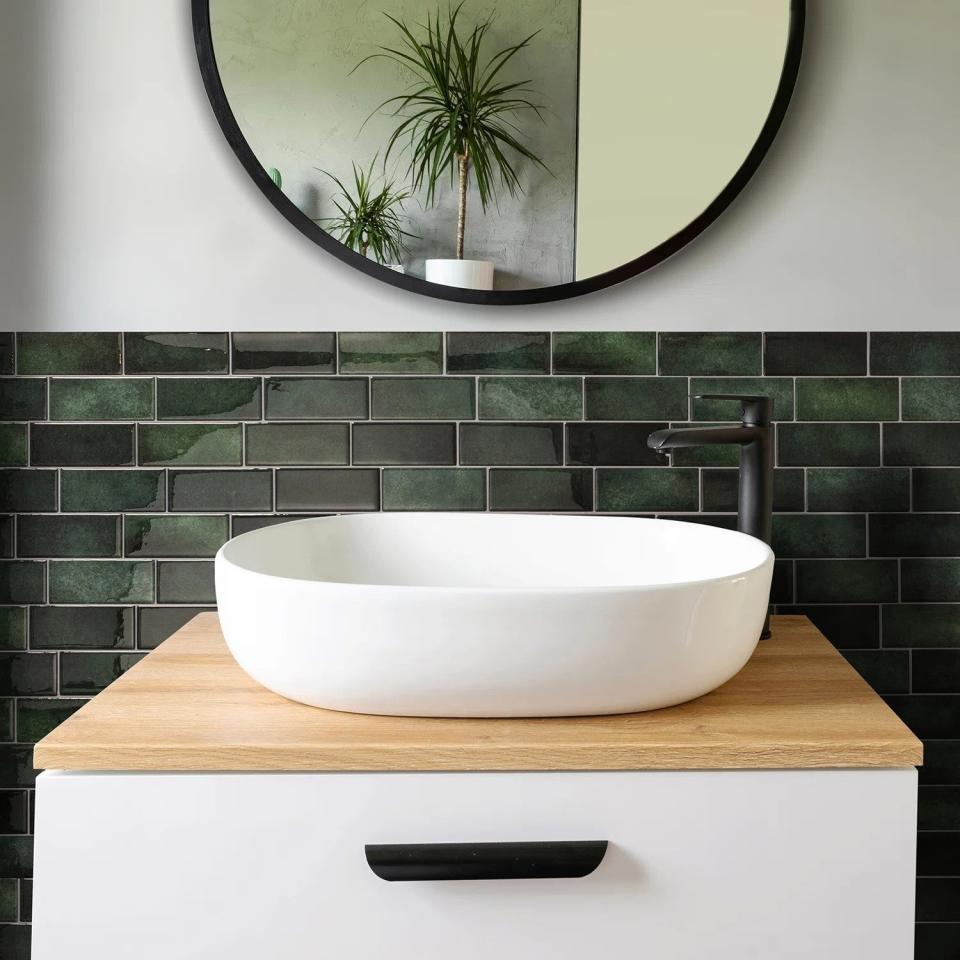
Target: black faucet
(754, 436)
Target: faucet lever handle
(757, 409)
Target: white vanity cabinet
(187, 814)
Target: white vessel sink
(488, 615)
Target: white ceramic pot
(471, 274)
(396, 267)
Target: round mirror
(500, 152)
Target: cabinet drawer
(746, 864)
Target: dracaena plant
(459, 118)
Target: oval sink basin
(485, 615)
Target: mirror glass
(516, 146)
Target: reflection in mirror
(509, 146)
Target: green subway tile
(915, 354)
(284, 352)
(14, 819)
(6, 536)
(781, 589)
(221, 490)
(9, 901)
(319, 398)
(6, 730)
(13, 628)
(112, 491)
(190, 444)
(23, 399)
(647, 490)
(637, 398)
(210, 398)
(936, 489)
(846, 626)
(81, 445)
(86, 674)
(921, 625)
(819, 535)
(157, 623)
(101, 399)
(404, 443)
(101, 581)
(433, 489)
(936, 671)
(868, 489)
(323, 490)
(391, 353)
(817, 354)
(848, 398)
(81, 628)
(174, 536)
(711, 354)
(21, 581)
(915, 534)
(779, 390)
(27, 674)
(828, 444)
(921, 444)
(13, 444)
(16, 860)
(43, 535)
(185, 582)
(605, 353)
(931, 398)
(37, 718)
(6, 353)
(709, 455)
(553, 490)
(16, 767)
(505, 353)
(847, 581)
(247, 522)
(531, 398)
(721, 490)
(887, 671)
(511, 444)
(175, 352)
(930, 580)
(612, 444)
(70, 353)
(938, 809)
(28, 490)
(423, 398)
(298, 443)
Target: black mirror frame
(213, 84)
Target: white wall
(122, 207)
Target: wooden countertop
(188, 706)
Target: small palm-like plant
(458, 117)
(370, 215)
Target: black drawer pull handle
(485, 861)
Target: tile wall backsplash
(128, 460)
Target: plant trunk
(463, 166)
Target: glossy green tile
(511, 444)
(81, 445)
(155, 624)
(870, 489)
(828, 444)
(612, 444)
(284, 352)
(404, 443)
(86, 674)
(938, 809)
(210, 398)
(26, 900)
(551, 490)
(423, 398)
(817, 354)
(185, 582)
(298, 443)
(847, 581)
(531, 398)
(637, 398)
(216, 490)
(6, 536)
(299, 398)
(605, 353)
(710, 354)
(13, 444)
(13, 628)
(921, 444)
(931, 398)
(779, 389)
(930, 580)
(174, 536)
(431, 489)
(921, 625)
(328, 490)
(819, 535)
(711, 455)
(190, 444)
(70, 353)
(37, 718)
(175, 352)
(507, 353)
(27, 674)
(23, 399)
(6, 729)
(14, 818)
(391, 353)
(650, 490)
(936, 671)
(81, 628)
(721, 490)
(101, 581)
(16, 768)
(915, 534)
(45, 535)
(246, 522)
(21, 581)
(28, 490)
(112, 491)
(936, 489)
(887, 671)
(16, 860)
(9, 901)
(846, 626)
(6, 353)
(101, 399)
(915, 354)
(781, 587)
(848, 398)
